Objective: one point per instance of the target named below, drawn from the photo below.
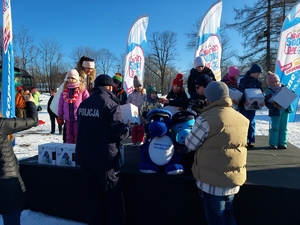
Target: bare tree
(80, 51)
(260, 27)
(105, 60)
(27, 48)
(162, 52)
(49, 65)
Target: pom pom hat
(199, 61)
(272, 78)
(233, 71)
(137, 82)
(178, 80)
(216, 90)
(117, 78)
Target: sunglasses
(197, 86)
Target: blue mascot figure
(159, 150)
(182, 124)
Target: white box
(130, 112)
(236, 95)
(255, 97)
(47, 153)
(65, 155)
(172, 109)
(284, 97)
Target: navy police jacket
(100, 130)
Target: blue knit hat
(255, 68)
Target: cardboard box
(255, 97)
(130, 112)
(47, 153)
(172, 109)
(65, 155)
(284, 97)
(236, 95)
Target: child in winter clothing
(151, 103)
(52, 115)
(20, 103)
(118, 90)
(36, 95)
(137, 98)
(74, 92)
(279, 116)
(231, 79)
(250, 80)
(177, 91)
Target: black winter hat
(203, 80)
(183, 116)
(104, 80)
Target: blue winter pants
(250, 115)
(278, 131)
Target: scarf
(73, 93)
(276, 88)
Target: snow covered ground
(27, 142)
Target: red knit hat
(19, 88)
(178, 80)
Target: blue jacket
(273, 111)
(100, 130)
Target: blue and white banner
(208, 42)
(288, 55)
(135, 58)
(8, 88)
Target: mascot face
(183, 122)
(159, 122)
(181, 130)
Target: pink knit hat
(233, 71)
(272, 77)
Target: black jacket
(51, 113)
(12, 189)
(100, 130)
(194, 74)
(121, 95)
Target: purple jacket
(69, 111)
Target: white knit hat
(74, 74)
(199, 61)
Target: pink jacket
(64, 108)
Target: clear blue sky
(106, 23)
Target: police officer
(100, 130)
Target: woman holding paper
(279, 116)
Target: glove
(60, 120)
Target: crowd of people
(89, 115)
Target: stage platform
(271, 194)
